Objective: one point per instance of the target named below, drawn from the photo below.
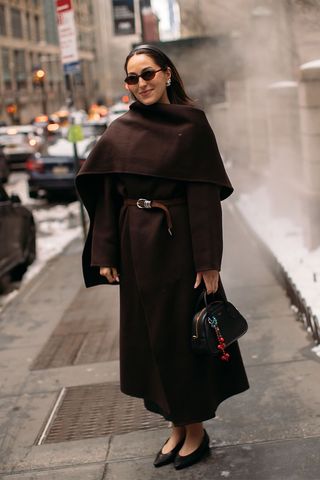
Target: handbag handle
(203, 296)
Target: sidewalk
(50, 341)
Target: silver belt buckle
(143, 203)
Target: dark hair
(176, 92)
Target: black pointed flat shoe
(195, 456)
(165, 458)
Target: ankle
(178, 432)
(194, 430)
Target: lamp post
(38, 78)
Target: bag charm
(221, 345)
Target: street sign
(71, 67)
(75, 133)
(67, 36)
(123, 17)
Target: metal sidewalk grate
(89, 411)
(87, 333)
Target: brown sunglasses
(147, 75)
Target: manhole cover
(89, 411)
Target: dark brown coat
(157, 274)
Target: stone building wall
(28, 39)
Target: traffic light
(38, 76)
(11, 109)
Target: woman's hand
(110, 273)
(210, 278)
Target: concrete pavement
(272, 431)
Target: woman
(152, 187)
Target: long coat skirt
(157, 295)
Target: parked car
(4, 167)
(94, 128)
(17, 237)
(19, 143)
(54, 173)
(117, 110)
(51, 130)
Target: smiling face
(148, 91)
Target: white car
(117, 110)
(19, 143)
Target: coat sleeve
(205, 216)
(105, 232)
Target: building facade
(200, 17)
(269, 121)
(294, 23)
(29, 40)
(118, 27)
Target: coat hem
(153, 407)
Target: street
(63, 417)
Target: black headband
(147, 46)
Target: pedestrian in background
(153, 186)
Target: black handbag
(215, 326)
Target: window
(90, 8)
(3, 30)
(29, 35)
(6, 74)
(20, 68)
(37, 28)
(34, 65)
(78, 76)
(48, 69)
(58, 69)
(16, 24)
(51, 31)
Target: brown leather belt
(163, 204)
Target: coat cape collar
(160, 140)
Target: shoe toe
(165, 458)
(161, 459)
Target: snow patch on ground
(50, 246)
(285, 240)
(57, 218)
(316, 350)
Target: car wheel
(31, 244)
(33, 194)
(17, 272)
(52, 197)
(4, 283)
